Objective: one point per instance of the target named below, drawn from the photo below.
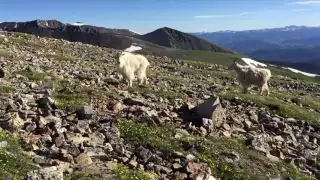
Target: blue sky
(185, 15)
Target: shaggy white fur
(131, 64)
(252, 76)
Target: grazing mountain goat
(130, 64)
(252, 76)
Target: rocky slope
(73, 117)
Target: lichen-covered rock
(47, 173)
(213, 110)
(85, 112)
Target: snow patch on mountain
(301, 72)
(133, 48)
(135, 32)
(253, 62)
(77, 24)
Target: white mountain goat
(130, 64)
(252, 76)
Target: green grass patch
(313, 102)
(71, 101)
(4, 53)
(60, 57)
(19, 34)
(124, 173)
(292, 75)
(224, 59)
(277, 106)
(82, 176)
(12, 163)
(7, 89)
(18, 41)
(92, 66)
(305, 100)
(250, 165)
(33, 75)
(160, 136)
(170, 95)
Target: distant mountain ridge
(175, 39)
(114, 38)
(290, 45)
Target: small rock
(86, 112)
(226, 133)
(232, 157)
(198, 176)
(74, 150)
(178, 154)
(96, 152)
(210, 178)
(3, 144)
(207, 122)
(193, 167)
(143, 153)
(52, 119)
(83, 127)
(52, 173)
(310, 156)
(162, 169)
(279, 138)
(71, 117)
(59, 140)
(181, 133)
(211, 109)
(39, 160)
(277, 153)
(78, 139)
(112, 134)
(203, 131)
(226, 126)
(117, 107)
(176, 166)
(190, 157)
(17, 122)
(132, 102)
(97, 138)
(108, 147)
(33, 85)
(83, 160)
(259, 143)
(247, 124)
(294, 139)
(291, 120)
(133, 163)
(179, 175)
(272, 158)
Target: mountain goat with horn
(131, 64)
(252, 76)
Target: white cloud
(314, 2)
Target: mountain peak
(173, 38)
